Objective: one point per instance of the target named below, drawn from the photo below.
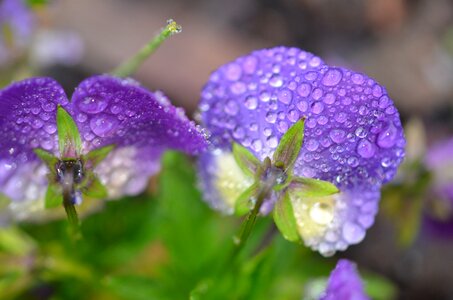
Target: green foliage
(248, 163)
(68, 134)
(94, 157)
(284, 218)
(54, 196)
(290, 144)
(310, 187)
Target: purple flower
(344, 283)
(16, 24)
(353, 138)
(439, 161)
(107, 111)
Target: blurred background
(406, 45)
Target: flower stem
(132, 64)
(71, 213)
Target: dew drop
(321, 213)
(276, 81)
(352, 233)
(238, 88)
(337, 135)
(102, 125)
(92, 104)
(233, 72)
(231, 108)
(251, 102)
(332, 77)
(311, 145)
(285, 96)
(317, 107)
(329, 99)
(365, 148)
(272, 141)
(293, 115)
(387, 138)
(304, 89)
(271, 117)
(357, 78)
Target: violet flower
(439, 161)
(353, 138)
(107, 111)
(16, 24)
(344, 283)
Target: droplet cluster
(353, 135)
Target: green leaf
(290, 144)
(284, 218)
(68, 135)
(97, 155)
(242, 204)
(310, 187)
(94, 188)
(245, 160)
(48, 158)
(54, 196)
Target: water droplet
(102, 125)
(353, 161)
(265, 96)
(282, 126)
(311, 145)
(293, 115)
(231, 108)
(238, 132)
(321, 213)
(377, 91)
(251, 102)
(50, 128)
(387, 138)
(361, 132)
(302, 106)
(82, 117)
(233, 72)
(92, 104)
(332, 77)
(311, 76)
(304, 89)
(271, 117)
(276, 81)
(48, 106)
(317, 93)
(116, 109)
(357, 78)
(337, 135)
(329, 98)
(285, 96)
(250, 64)
(238, 88)
(353, 233)
(272, 141)
(257, 145)
(36, 123)
(365, 148)
(317, 107)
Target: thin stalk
(131, 65)
(71, 213)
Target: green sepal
(97, 155)
(54, 196)
(242, 204)
(68, 134)
(310, 187)
(290, 144)
(94, 188)
(245, 160)
(48, 158)
(284, 218)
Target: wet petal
(353, 133)
(27, 121)
(110, 110)
(331, 223)
(344, 283)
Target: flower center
(70, 172)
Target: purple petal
(353, 133)
(27, 121)
(332, 223)
(110, 110)
(141, 124)
(344, 283)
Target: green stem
(132, 64)
(71, 213)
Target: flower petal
(344, 283)
(110, 110)
(331, 223)
(27, 121)
(353, 134)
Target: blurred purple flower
(107, 111)
(439, 161)
(344, 283)
(16, 24)
(353, 138)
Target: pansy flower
(353, 139)
(344, 283)
(16, 25)
(104, 143)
